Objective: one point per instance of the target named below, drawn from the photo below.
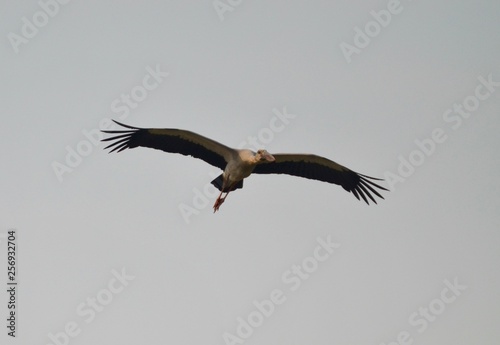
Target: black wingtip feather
(121, 140)
(373, 190)
(371, 178)
(374, 184)
(126, 126)
(362, 185)
(360, 191)
(355, 193)
(125, 135)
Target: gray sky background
(196, 274)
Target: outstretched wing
(171, 140)
(322, 169)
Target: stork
(238, 164)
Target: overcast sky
(124, 248)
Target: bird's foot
(218, 203)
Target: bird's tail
(218, 184)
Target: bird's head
(264, 156)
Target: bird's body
(239, 164)
(240, 167)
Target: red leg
(220, 200)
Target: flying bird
(238, 164)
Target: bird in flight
(239, 164)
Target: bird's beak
(269, 157)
